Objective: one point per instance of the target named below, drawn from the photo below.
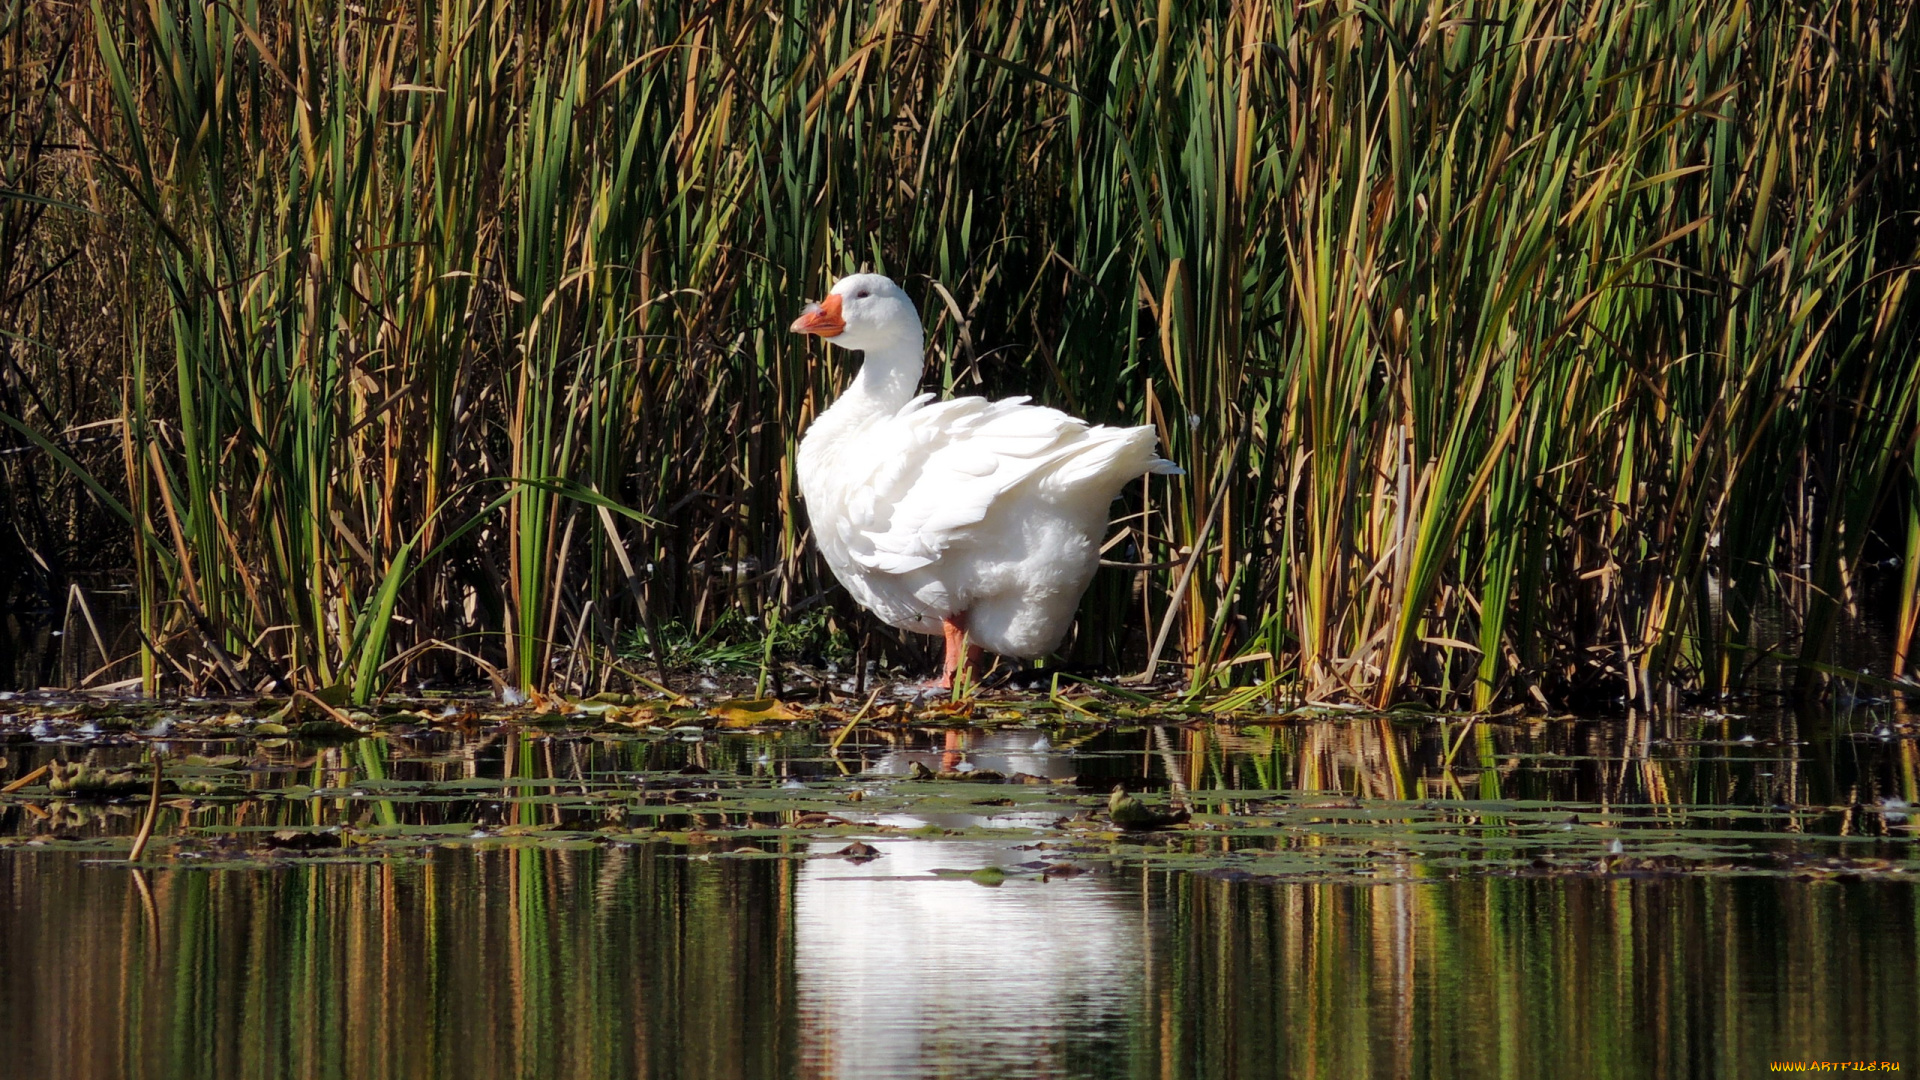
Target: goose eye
(861, 295)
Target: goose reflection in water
(902, 973)
(1009, 753)
(905, 973)
(1005, 752)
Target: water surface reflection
(655, 905)
(902, 973)
(633, 962)
(510, 964)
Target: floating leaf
(948, 710)
(326, 731)
(632, 716)
(751, 713)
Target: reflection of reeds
(1695, 762)
(1519, 354)
(502, 965)
(1519, 977)
(628, 962)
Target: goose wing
(939, 469)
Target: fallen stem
(27, 779)
(146, 823)
(857, 717)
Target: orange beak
(822, 318)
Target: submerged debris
(304, 839)
(84, 780)
(1131, 815)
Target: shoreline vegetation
(1534, 355)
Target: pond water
(1352, 897)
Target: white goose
(980, 520)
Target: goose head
(866, 312)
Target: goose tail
(1108, 459)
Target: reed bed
(1516, 352)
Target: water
(551, 904)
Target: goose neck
(890, 373)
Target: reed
(1516, 351)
